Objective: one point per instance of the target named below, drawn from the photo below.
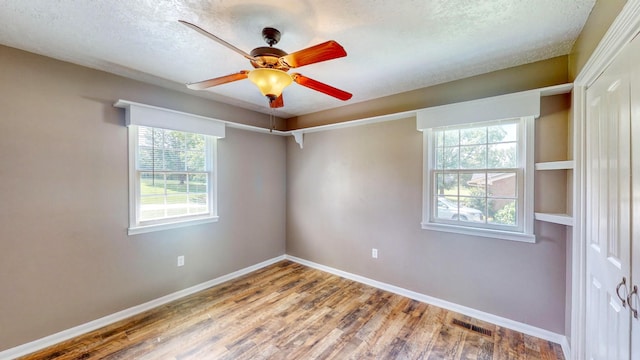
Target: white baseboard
(566, 348)
(121, 315)
(481, 315)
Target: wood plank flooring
(289, 311)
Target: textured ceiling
(392, 46)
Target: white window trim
(521, 105)
(151, 116)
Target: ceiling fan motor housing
(268, 57)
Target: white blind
(152, 116)
(173, 151)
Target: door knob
(623, 299)
(634, 291)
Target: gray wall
(65, 257)
(354, 189)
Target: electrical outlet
(181, 260)
(374, 253)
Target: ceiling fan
(272, 64)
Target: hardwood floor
(289, 311)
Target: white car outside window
(449, 210)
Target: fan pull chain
(271, 123)
(271, 120)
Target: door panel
(635, 186)
(616, 316)
(608, 213)
(595, 330)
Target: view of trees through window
(173, 173)
(476, 173)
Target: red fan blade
(201, 85)
(216, 39)
(277, 102)
(321, 52)
(323, 88)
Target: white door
(608, 213)
(635, 145)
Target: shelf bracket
(298, 136)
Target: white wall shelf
(562, 219)
(555, 165)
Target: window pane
(198, 183)
(150, 159)
(198, 204)
(502, 155)
(174, 160)
(151, 184)
(473, 184)
(177, 205)
(152, 207)
(502, 184)
(447, 184)
(195, 141)
(195, 161)
(446, 208)
(473, 157)
(151, 213)
(177, 211)
(196, 200)
(503, 133)
(157, 138)
(145, 136)
(473, 136)
(174, 140)
(150, 137)
(177, 199)
(147, 157)
(447, 158)
(176, 183)
(472, 209)
(153, 200)
(504, 212)
(170, 195)
(451, 138)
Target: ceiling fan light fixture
(272, 64)
(271, 82)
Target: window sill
(490, 233)
(172, 225)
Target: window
(478, 175)
(173, 175)
(172, 168)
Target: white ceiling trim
(540, 92)
(299, 133)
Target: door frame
(623, 29)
